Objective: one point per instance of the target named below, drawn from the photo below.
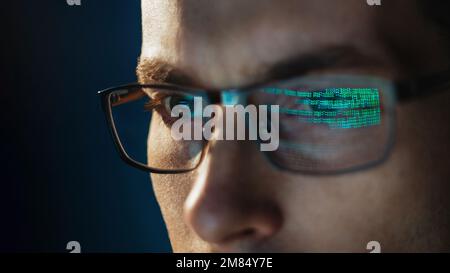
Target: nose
(231, 201)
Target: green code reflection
(338, 108)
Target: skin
(236, 200)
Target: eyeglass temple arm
(423, 86)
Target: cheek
(171, 192)
(158, 143)
(331, 214)
(344, 213)
(164, 152)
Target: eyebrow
(321, 59)
(159, 71)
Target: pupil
(174, 101)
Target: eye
(170, 102)
(164, 102)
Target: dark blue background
(61, 177)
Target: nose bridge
(236, 122)
(231, 157)
(232, 97)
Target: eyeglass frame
(405, 90)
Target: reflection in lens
(331, 125)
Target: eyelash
(158, 104)
(153, 104)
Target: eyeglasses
(328, 124)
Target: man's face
(236, 200)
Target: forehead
(228, 41)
